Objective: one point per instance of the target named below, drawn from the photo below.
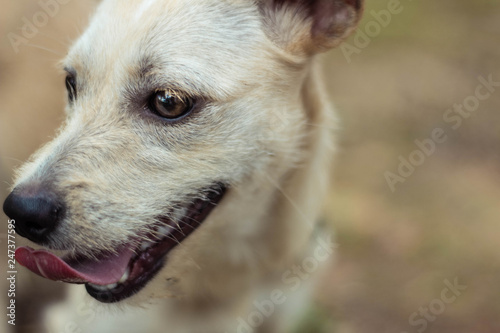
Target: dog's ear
(306, 27)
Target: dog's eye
(169, 105)
(71, 87)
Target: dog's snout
(36, 212)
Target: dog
(191, 168)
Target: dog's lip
(113, 277)
(147, 261)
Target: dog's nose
(36, 212)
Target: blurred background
(400, 242)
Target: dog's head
(177, 111)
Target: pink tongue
(102, 272)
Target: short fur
(263, 128)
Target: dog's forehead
(189, 39)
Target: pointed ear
(306, 27)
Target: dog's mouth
(113, 277)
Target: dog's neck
(300, 195)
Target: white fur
(265, 129)
(144, 6)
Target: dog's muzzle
(109, 277)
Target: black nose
(36, 212)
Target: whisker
(45, 49)
(66, 45)
(293, 203)
(322, 126)
(12, 158)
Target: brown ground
(395, 249)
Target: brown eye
(169, 105)
(71, 87)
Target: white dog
(192, 165)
